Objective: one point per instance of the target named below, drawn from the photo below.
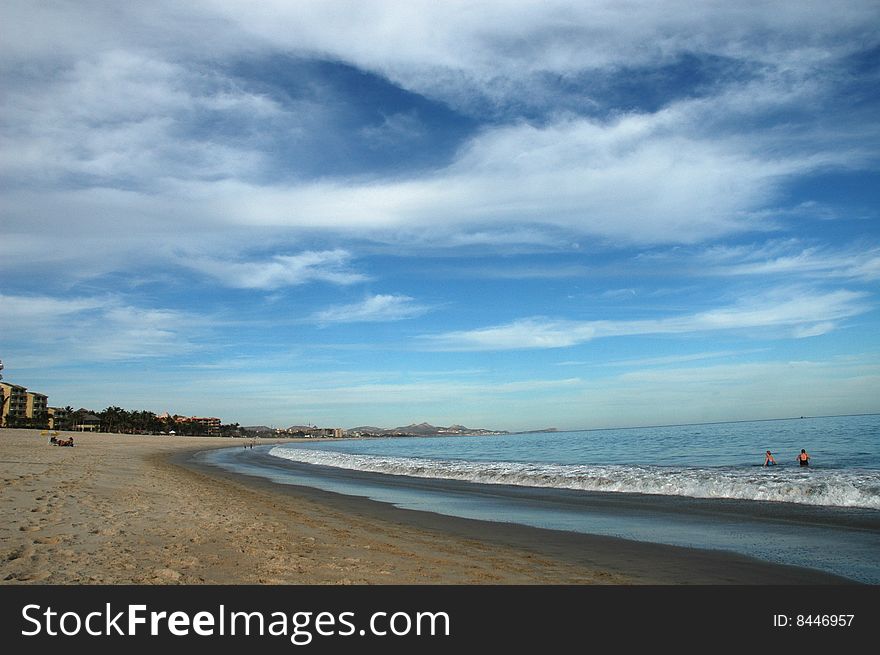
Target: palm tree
(142, 421)
(68, 418)
(112, 419)
(41, 419)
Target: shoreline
(123, 509)
(638, 562)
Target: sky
(504, 215)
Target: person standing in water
(803, 459)
(768, 459)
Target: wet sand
(120, 509)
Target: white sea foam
(836, 487)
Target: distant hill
(258, 428)
(420, 430)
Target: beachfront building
(59, 418)
(14, 408)
(37, 408)
(209, 425)
(85, 421)
(309, 431)
(22, 408)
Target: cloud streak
(102, 329)
(641, 179)
(376, 308)
(127, 128)
(794, 258)
(803, 314)
(278, 271)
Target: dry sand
(113, 510)
(116, 509)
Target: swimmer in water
(803, 459)
(768, 459)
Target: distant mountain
(420, 430)
(258, 428)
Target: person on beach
(768, 459)
(803, 459)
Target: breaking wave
(831, 487)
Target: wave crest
(840, 488)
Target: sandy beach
(120, 509)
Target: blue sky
(506, 215)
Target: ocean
(700, 486)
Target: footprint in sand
(29, 528)
(13, 555)
(103, 532)
(167, 574)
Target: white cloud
(395, 128)
(792, 257)
(630, 181)
(809, 314)
(619, 293)
(806, 331)
(279, 270)
(99, 134)
(93, 329)
(493, 49)
(100, 130)
(377, 308)
(123, 118)
(665, 361)
(27, 312)
(485, 40)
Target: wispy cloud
(123, 119)
(804, 313)
(639, 179)
(811, 261)
(491, 50)
(395, 128)
(377, 308)
(142, 157)
(280, 270)
(95, 329)
(783, 258)
(666, 360)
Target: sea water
(702, 461)
(708, 482)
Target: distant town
(21, 408)
(415, 430)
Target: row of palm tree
(119, 420)
(38, 421)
